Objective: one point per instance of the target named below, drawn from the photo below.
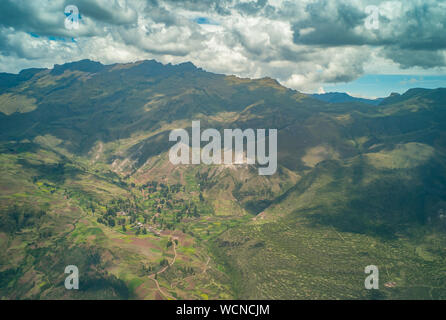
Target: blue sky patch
(203, 20)
(382, 85)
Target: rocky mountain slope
(86, 180)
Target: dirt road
(164, 269)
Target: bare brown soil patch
(143, 243)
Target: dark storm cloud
(424, 28)
(302, 43)
(332, 25)
(106, 11)
(408, 58)
(420, 26)
(21, 15)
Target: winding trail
(162, 270)
(173, 285)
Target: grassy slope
(110, 261)
(356, 186)
(316, 242)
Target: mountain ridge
(91, 66)
(84, 153)
(341, 97)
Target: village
(155, 208)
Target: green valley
(86, 180)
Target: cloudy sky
(365, 47)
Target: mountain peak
(85, 65)
(342, 97)
(438, 94)
(187, 66)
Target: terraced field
(86, 181)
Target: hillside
(86, 180)
(341, 97)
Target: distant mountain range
(86, 181)
(341, 97)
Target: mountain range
(86, 181)
(340, 97)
